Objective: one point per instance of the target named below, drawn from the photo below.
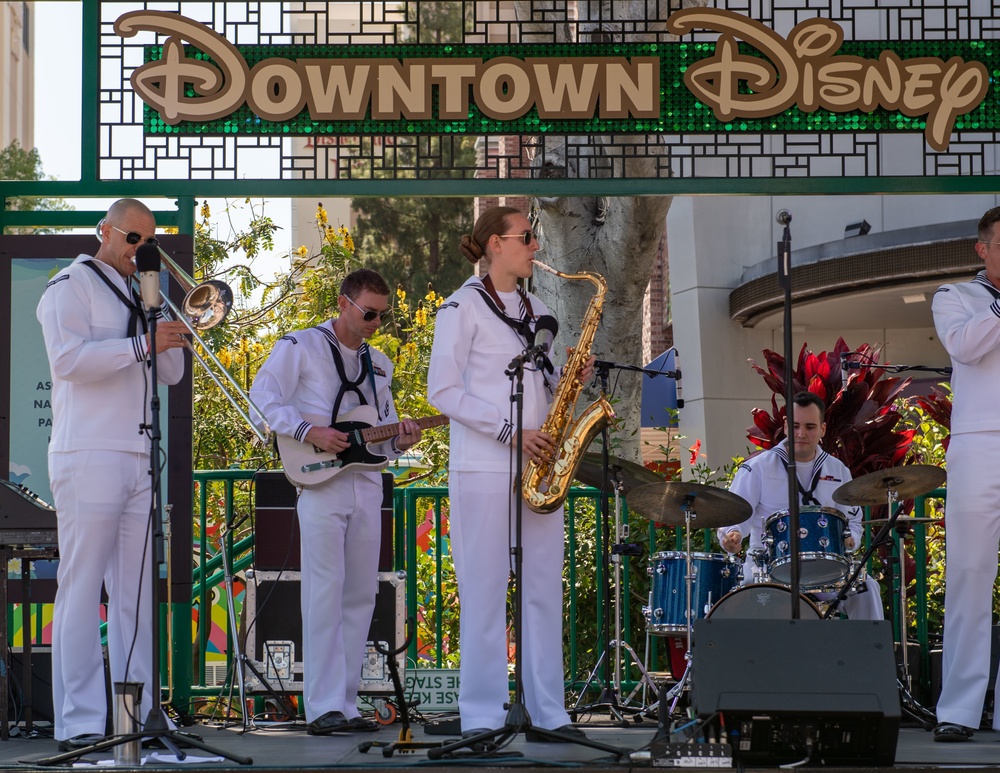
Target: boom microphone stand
(156, 725)
(517, 720)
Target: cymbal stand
(674, 693)
(608, 697)
(920, 714)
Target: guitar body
(306, 465)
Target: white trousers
(340, 524)
(972, 534)
(103, 502)
(482, 531)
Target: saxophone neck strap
(520, 326)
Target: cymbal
(904, 520)
(711, 507)
(907, 482)
(591, 472)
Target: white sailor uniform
(101, 486)
(762, 480)
(967, 319)
(466, 381)
(340, 519)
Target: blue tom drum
(714, 575)
(822, 547)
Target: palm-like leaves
(861, 420)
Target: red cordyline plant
(861, 419)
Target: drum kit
(687, 585)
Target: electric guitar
(306, 465)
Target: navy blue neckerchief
(135, 316)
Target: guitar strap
(347, 385)
(135, 316)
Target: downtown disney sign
(749, 80)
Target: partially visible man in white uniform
(99, 470)
(967, 319)
(762, 480)
(326, 371)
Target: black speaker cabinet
(276, 525)
(274, 625)
(791, 690)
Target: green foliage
(16, 163)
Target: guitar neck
(386, 431)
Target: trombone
(205, 305)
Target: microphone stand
(785, 278)
(156, 725)
(517, 719)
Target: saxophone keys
(561, 467)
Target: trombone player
(99, 469)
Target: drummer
(762, 480)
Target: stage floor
(289, 748)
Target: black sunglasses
(369, 315)
(526, 237)
(134, 238)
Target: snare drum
(822, 531)
(762, 601)
(715, 575)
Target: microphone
(843, 370)
(546, 328)
(784, 217)
(147, 264)
(677, 378)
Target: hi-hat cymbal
(591, 472)
(907, 482)
(667, 501)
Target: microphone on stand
(546, 328)
(677, 378)
(784, 217)
(147, 264)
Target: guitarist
(328, 370)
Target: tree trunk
(616, 237)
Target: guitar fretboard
(386, 431)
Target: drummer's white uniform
(99, 475)
(466, 381)
(967, 318)
(340, 520)
(762, 481)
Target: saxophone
(545, 485)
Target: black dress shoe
(948, 732)
(331, 722)
(362, 725)
(79, 742)
(570, 731)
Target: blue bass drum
(715, 574)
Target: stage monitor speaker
(276, 524)
(795, 690)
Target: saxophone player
(480, 328)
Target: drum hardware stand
(611, 687)
(674, 693)
(155, 726)
(517, 719)
(910, 706)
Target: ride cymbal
(907, 482)
(630, 474)
(666, 503)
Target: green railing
(419, 515)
